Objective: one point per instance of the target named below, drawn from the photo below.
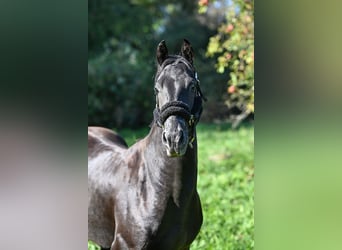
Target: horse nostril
(181, 137)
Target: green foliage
(233, 47)
(225, 185)
(120, 19)
(122, 38)
(119, 86)
(120, 64)
(93, 246)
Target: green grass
(225, 185)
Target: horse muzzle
(175, 136)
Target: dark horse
(145, 197)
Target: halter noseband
(174, 108)
(177, 108)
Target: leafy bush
(122, 38)
(233, 45)
(120, 87)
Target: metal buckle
(196, 77)
(192, 120)
(191, 141)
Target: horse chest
(157, 222)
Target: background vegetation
(225, 185)
(122, 39)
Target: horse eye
(156, 91)
(193, 88)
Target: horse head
(178, 98)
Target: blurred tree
(119, 63)
(122, 38)
(198, 28)
(233, 47)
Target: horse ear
(187, 51)
(162, 52)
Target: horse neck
(171, 175)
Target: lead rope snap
(192, 121)
(191, 141)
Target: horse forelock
(174, 60)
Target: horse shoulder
(105, 169)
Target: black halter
(174, 108)
(182, 109)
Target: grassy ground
(225, 185)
